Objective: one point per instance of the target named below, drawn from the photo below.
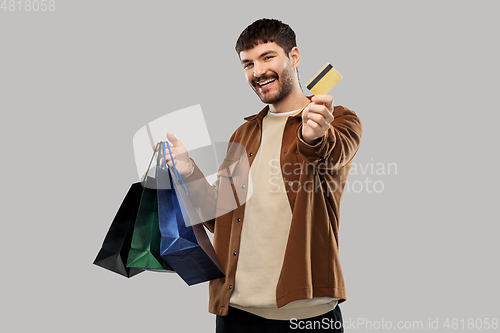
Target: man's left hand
(316, 118)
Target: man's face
(269, 71)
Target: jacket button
(290, 183)
(250, 154)
(230, 286)
(234, 253)
(243, 186)
(238, 220)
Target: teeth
(265, 82)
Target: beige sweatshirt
(264, 235)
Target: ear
(294, 55)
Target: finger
(305, 112)
(173, 139)
(325, 100)
(322, 99)
(321, 110)
(314, 125)
(319, 119)
(172, 162)
(157, 147)
(168, 158)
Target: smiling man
(279, 249)
(262, 64)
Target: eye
(248, 65)
(268, 57)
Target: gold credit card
(322, 82)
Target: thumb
(305, 113)
(173, 139)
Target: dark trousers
(239, 321)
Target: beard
(285, 85)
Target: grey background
(76, 83)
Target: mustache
(264, 77)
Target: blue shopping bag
(184, 244)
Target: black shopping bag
(116, 246)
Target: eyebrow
(244, 61)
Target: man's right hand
(183, 163)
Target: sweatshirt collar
(259, 116)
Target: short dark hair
(265, 31)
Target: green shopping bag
(145, 246)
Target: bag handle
(158, 160)
(150, 162)
(177, 175)
(165, 160)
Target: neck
(293, 101)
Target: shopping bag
(116, 246)
(184, 244)
(145, 245)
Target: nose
(258, 69)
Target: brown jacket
(314, 179)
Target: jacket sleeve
(221, 197)
(203, 196)
(339, 144)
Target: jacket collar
(259, 116)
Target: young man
(279, 248)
